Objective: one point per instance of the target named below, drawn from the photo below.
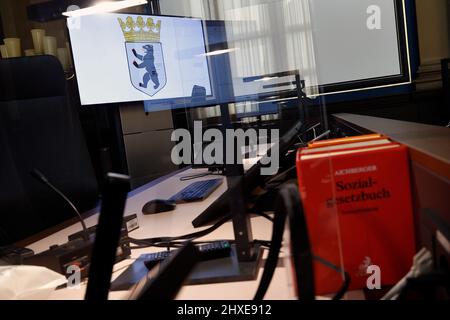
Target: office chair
(39, 130)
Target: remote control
(153, 259)
(214, 250)
(209, 251)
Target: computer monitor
(338, 46)
(129, 57)
(360, 44)
(350, 45)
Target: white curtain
(269, 36)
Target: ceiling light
(104, 7)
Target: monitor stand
(228, 269)
(245, 259)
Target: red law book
(359, 212)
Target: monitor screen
(336, 46)
(359, 42)
(125, 57)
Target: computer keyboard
(197, 191)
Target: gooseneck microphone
(39, 176)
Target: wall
(433, 22)
(434, 35)
(16, 24)
(14, 19)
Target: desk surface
(432, 140)
(429, 145)
(175, 223)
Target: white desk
(175, 223)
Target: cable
(39, 176)
(272, 259)
(194, 235)
(345, 285)
(288, 205)
(347, 280)
(264, 215)
(280, 179)
(179, 244)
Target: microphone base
(77, 251)
(74, 253)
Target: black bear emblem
(148, 62)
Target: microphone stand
(39, 176)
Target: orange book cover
(359, 212)
(346, 146)
(362, 138)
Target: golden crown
(140, 30)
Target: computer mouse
(158, 206)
